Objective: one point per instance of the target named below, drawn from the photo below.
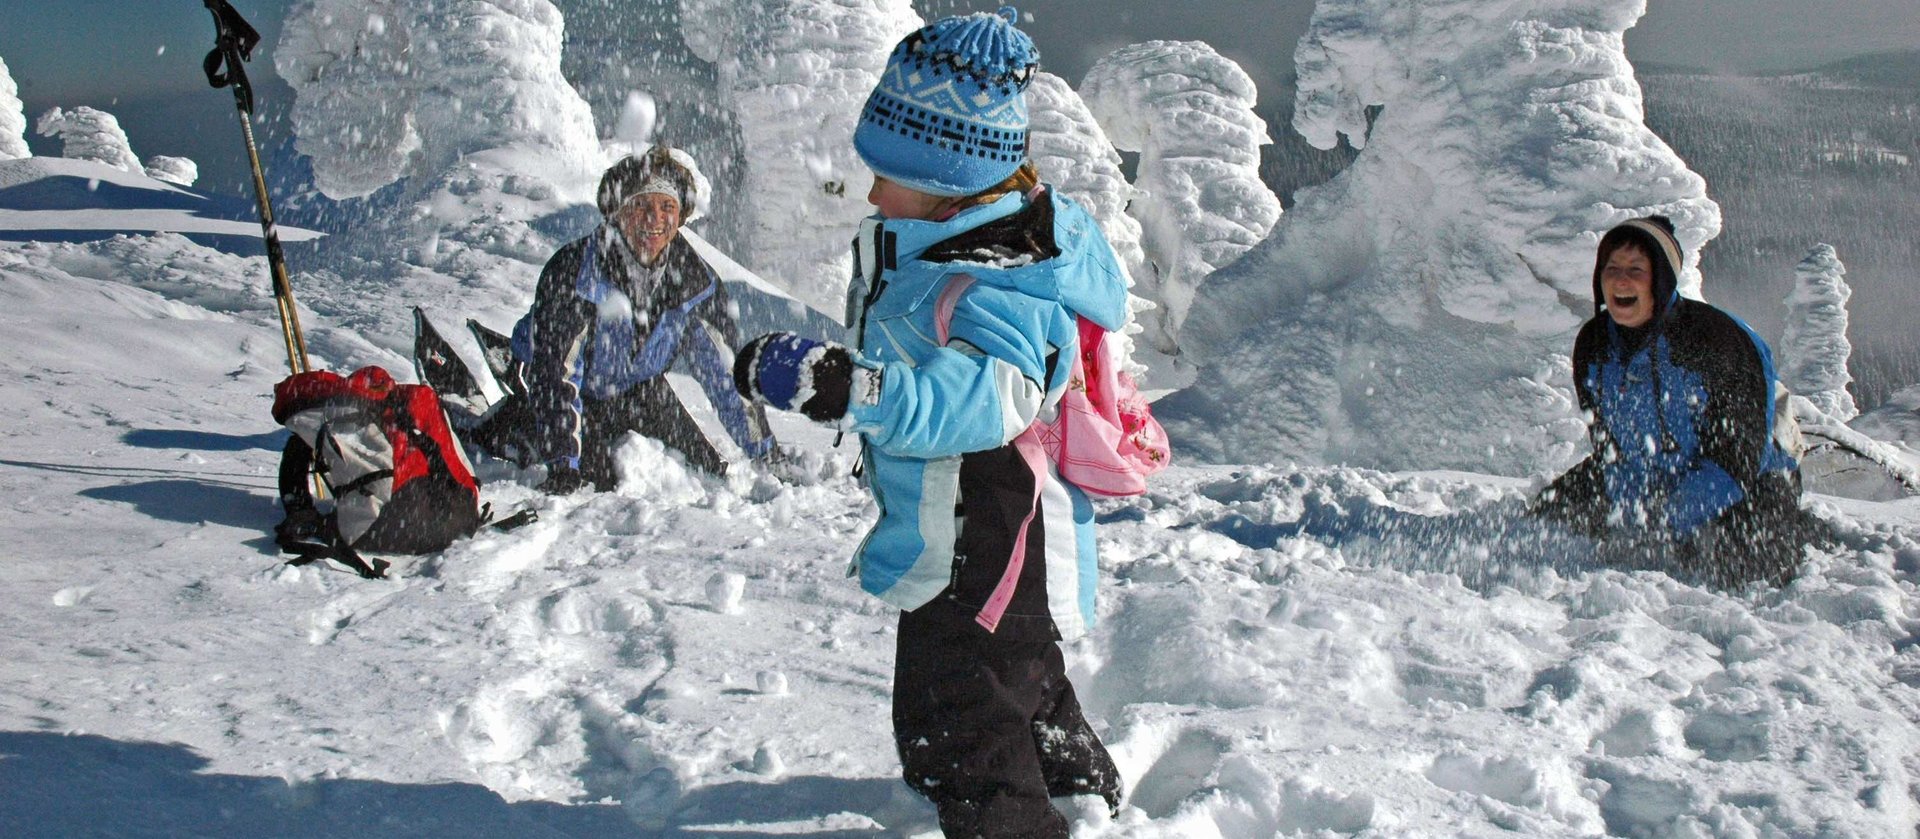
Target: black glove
(562, 480)
(792, 373)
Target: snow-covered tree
(1188, 112)
(1073, 154)
(794, 74)
(463, 100)
(88, 134)
(1398, 311)
(1814, 349)
(457, 113)
(355, 91)
(173, 170)
(1071, 151)
(13, 118)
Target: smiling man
(1686, 474)
(611, 313)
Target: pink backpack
(1103, 437)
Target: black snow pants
(989, 728)
(651, 408)
(1758, 539)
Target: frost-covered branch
(1821, 427)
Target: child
(991, 559)
(1685, 465)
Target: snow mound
(1188, 112)
(88, 134)
(179, 171)
(57, 198)
(1410, 312)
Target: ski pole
(234, 40)
(225, 66)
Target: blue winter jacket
(588, 338)
(951, 488)
(1683, 414)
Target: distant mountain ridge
(1893, 68)
(1827, 155)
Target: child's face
(1627, 280)
(898, 202)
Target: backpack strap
(943, 306)
(1035, 456)
(1031, 452)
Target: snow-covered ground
(1314, 651)
(1283, 650)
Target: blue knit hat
(948, 116)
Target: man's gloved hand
(562, 480)
(792, 373)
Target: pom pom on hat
(949, 116)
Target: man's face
(649, 221)
(1627, 282)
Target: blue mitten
(792, 373)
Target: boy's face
(1627, 282)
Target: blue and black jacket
(939, 454)
(1682, 414)
(602, 324)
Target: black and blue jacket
(1682, 412)
(601, 324)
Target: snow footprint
(1178, 765)
(326, 622)
(1514, 788)
(1727, 735)
(1309, 807)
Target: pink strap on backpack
(1030, 449)
(1103, 438)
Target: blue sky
(140, 59)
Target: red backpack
(400, 482)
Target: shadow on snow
(90, 786)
